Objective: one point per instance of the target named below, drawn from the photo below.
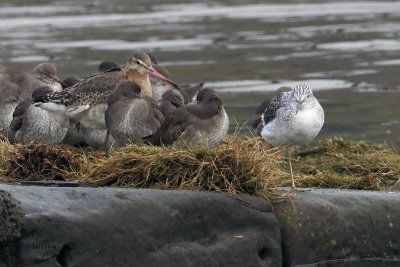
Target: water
(349, 52)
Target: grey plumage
(268, 108)
(170, 101)
(294, 117)
(3, 80)
(96, 89)
(130, 116)
(34, 124)
(69, 82)
(159, 86)
(43, 74)
(8, 74)
(85, 103)
(221, 120)
(107, 66)
(203, 121)
(79, 135)
(189, 93)
(10, 98)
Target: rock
(11, 221)
(340, 228)
(11, 218)
(133, 227)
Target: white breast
(296, 129)
(305, 126)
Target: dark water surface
(348, 51)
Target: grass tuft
(237, 165)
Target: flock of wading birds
(138, 103)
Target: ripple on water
(246, 86)
(289, 56)
(30, 59)
(170, 45)
(192, 13)
(35, 10)
(311, 31)
(365, 45)
(339, 73)
(390, 62)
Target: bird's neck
(143, 81)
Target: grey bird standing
(292, 117)
(130, 116)
(10, 97)
(204, 121)
(34, 124)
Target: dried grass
(237, 165)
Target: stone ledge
(142, 227)
(133, 227)
(11, 222)
(327, 227)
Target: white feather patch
(52, 107)
(75, 110)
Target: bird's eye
(139, 62)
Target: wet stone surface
(340, 228)
(11, 223)
(107, 226)
(128, 227)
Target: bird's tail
(151, 140)
(257, 125)
(189, 92)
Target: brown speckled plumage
(90, 91)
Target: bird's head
(139, 65)
(300, 96)
(125, 89)
(45, 72)
(173, 97)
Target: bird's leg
(291, 169)
(78, 127)
(291, 173)
(107, 144)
